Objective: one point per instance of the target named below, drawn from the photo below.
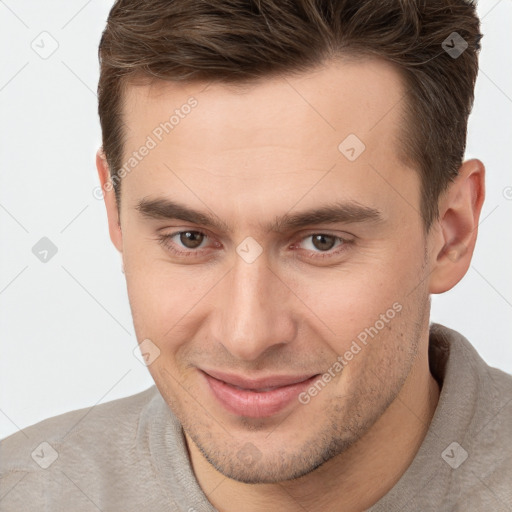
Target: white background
(66, 329)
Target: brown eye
(323, 242)
(191, 239)
(322, 246)
(185, 244)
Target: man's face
(247, 300)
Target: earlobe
(455, 237)
(109, 197)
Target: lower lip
(254, 404)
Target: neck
(352, 481)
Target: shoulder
(478, 408)
(484, 392)
(93, 458)
(446, 343)
(90, 428)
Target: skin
(249, 155)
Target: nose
(254, 310)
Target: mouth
(262, 390)
(266, 383)
(257, 398)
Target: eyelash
(165, 241)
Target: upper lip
(270, 381)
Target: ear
(455, 235)
(109, 196)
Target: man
(286, 185)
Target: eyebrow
(348, 212)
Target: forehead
(349, 94)
(284, 131)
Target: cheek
(347, 300)
(364, 311)
(160, 299)
(165, 298)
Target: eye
(189, 240)
(321, 241)
(320, 245)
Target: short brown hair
(239, 41)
